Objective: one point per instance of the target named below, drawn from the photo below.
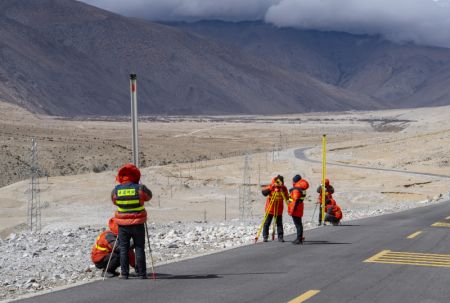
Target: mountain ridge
(396, 74)
(63, 57)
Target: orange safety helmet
(113, 226)
(327, 182)
(128, 173)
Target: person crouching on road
(297, 195)
(129, 196)
(334, 214)
(329, 191)
(276, 194)
(102, 251)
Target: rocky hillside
(398, 75)
(64, 57)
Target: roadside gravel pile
(31, 262)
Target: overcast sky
(422, 21)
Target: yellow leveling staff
(324, 168)
(265, 216)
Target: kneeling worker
(333, 214)
(102, 251)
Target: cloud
(421, 21)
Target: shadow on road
(348, 225)
(255, 273)
(162, 276)
(311, 242)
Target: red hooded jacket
(103, 246)
(274, 202)
(130, 174)
(334, 210)
(297, 195)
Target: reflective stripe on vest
(101, 248)
(303, 195)
(119, 202)
(127, 198)
(125, 210)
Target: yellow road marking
(408, 258)
(381, 253)
(305, 296)
(441, 224)
(411, 236)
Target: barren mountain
(64, 57)
(399, 75)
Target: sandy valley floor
(193, 164)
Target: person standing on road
(102, 251)
(276, 194)
(297, 195)
(329, 191)
(129, 196)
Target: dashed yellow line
(412, 236)
(307, 295)
(409, 258)
(441, 224)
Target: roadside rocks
(32, 262)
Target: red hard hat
(113, 226)
(327, 182)
(128, 173)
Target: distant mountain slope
(399, 75)
(64, 57)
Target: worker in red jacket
(129, 196)
(333, 214)
(295, 207)
(102, 251)
(329, 191)
(276, 194)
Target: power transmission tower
(34, 201)
(245, 199)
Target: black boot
(111, 274)
(280, 239)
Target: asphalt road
(331, 262)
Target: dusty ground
(192, 164)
